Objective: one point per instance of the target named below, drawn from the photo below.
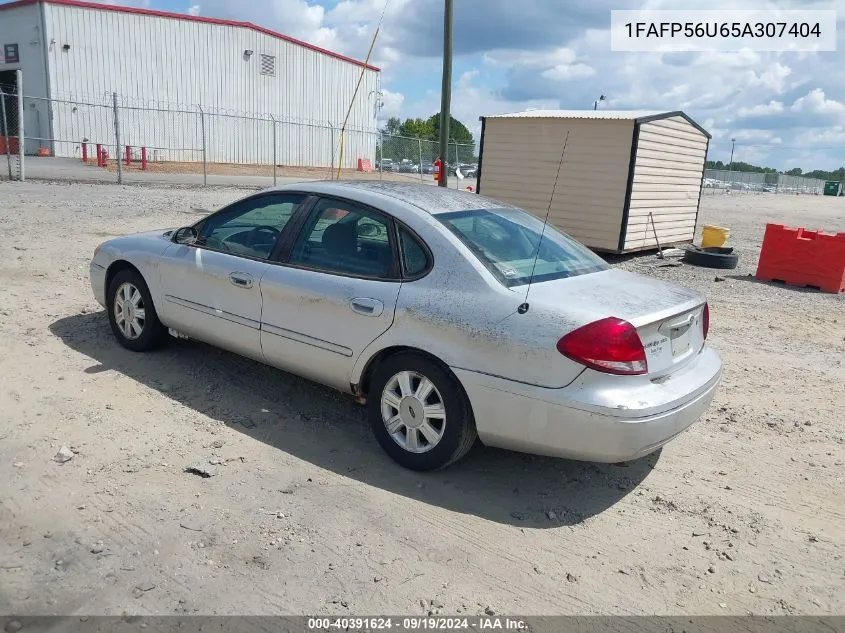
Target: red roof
(192, 18)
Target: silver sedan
(452, 316)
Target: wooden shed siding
(520, 162)
(649, 143)
(680, 170)
(674, 137)
(667, 182)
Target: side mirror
(187, 235)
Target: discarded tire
(713, 257)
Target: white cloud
(768, 109)
(815, 102)
(470, 100)
(392, 103)
(772, 79)
(194, 9)
(465, 79)
(533, 58)
(757, 137)
(563, 72)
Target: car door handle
(367, 306)
(241, 280)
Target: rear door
(333, 293)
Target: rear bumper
(589, 420)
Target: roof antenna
(523, 307)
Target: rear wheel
(419, 413)
(132, 315)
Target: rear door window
(414, 257)
(345, 238)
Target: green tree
(820, 174)
(416, 128)
(397, 144)
(740, 166)
(836, 174)
(458, 132)
(393, 125)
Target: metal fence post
(21, 174)
(457, 167)
(331, 127)
(380, 154)
(204, 155)
(273, 119)
(117, 140)
(6, 133)
(419, 162)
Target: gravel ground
(744, 513)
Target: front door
(211, 289)
(334, 295)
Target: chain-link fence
(406, 155)
(10, 133)
(112, 138)
(722, 181)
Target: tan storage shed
(619, 166)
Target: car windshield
(506, 240)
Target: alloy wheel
(413, 412)
(129, 311)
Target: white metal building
(619, 167)
(75, 54)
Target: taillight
(610, 345)
(705, 320)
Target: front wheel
(132, 315)
(419, 413)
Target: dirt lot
(744, 513)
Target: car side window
(250, 228)
(414, 257)
(342, 237)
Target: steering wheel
(264, 228)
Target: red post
(106, 157)
(144, 159)
(85, 152)
(99, 155)
(128, 155)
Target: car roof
(429, 198)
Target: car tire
(712, 257)
(415, 440)
(142, 333)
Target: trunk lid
(668, 318)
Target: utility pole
(596, 102)
(446, 93)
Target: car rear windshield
(506, 241)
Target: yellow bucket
(714, 236)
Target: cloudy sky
(783, 109)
